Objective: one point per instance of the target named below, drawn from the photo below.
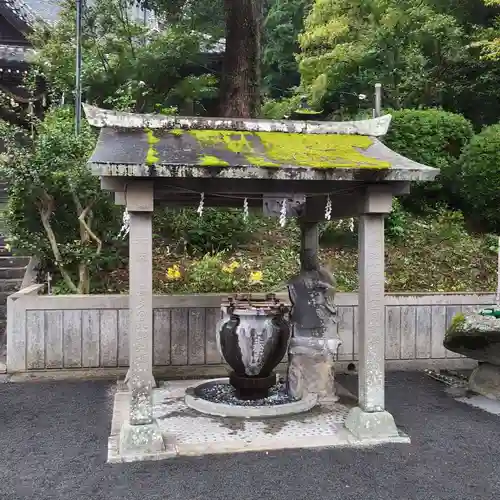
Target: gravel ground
(53, 446)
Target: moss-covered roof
(147, 145)
(276, 149)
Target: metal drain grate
(448, 377)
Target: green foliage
(489, 36)
(397, 225)
(471, 88)
(405, 45)
(279, 109)
(344, 233)
(57, 211)
(127, 65)
(436, 254)
(222, 272)
(435, 138)
(206, 16)
(283, 23)
(217, 230)
(480, 173)
(439, 255)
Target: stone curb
(226, 410)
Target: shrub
(480, 172)
(344, 233)
(222, 272)
(278, 109)
(218, 230)
(57, 210)
(435, 138)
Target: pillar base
(141, 405)
(140, 440)
(377, 425)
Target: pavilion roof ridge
(104, 118)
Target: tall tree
(242, 21)
(241, 78)
(348, 45)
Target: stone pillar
(370, 420)
(141, 432)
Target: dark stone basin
(222, 392)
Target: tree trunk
(240, 82)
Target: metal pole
(78, 75)
(378, 99)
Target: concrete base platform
(187, 432)
(378, 425)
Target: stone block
(485, 380)
(120, 198)
(12, 273)
(376, 425)
(139, 196)
(112, 184)
(311, 369)
(137, 440)
(378, 200)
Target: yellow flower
(256, 277)
(173, 273)
(231, 268)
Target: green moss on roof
(304, 111)
(152, 155)
(212, 161)
(273, 149)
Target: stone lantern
(303, 169)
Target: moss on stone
(152, 155)
(178, 132)
(456, 326)
(212, 161)
(274, 149)
(458, 320)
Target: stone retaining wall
(91, 332)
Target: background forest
(438, 63)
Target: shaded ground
(53, 446)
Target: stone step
(12, 273)
(11, 261)
(10, 285)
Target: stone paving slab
(190, 433)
